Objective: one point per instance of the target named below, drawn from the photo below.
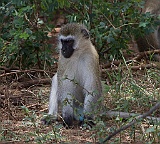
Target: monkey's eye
(70, 42)
(67, 42)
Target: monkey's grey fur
(76, 85)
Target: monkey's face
(67, 46)
(70, 37)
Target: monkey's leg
(90, 104)
(67, 102)
(67, 114)
(92, 93)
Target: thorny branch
(134, 121)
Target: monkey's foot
(86, 122)
(48, 119)
(68, 121)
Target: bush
(23, 41)
(24, 26)
(113, 23)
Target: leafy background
(24, 26)
(28, 59)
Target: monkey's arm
(53, 103)
(92, 84)
(67, 96)
(53, 100)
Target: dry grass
(127, 91)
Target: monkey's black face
(67, 47)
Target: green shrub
(23, 41)
(112, 24)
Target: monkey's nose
(63, 50)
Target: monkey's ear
(85, 33)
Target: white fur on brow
(66, 37)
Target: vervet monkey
(76, 85)
(151, 41)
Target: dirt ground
(24, 101)
(16, 129)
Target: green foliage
(24, 26)
(133, 92)
(31, 121)
(23, 37)
(113, 23)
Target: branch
(31, 82)
(138, 56)
(113, 63)
(126, 115)
(22, 71)
(146, 53)
(138, 67)
(134, 121)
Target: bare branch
(138, 118)
(126, 115)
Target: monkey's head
(70, 36)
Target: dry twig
(22, 71)
(138, 118)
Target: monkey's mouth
(67, 52)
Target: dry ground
(21, 97)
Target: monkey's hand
(48, 119)
(86, 122)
